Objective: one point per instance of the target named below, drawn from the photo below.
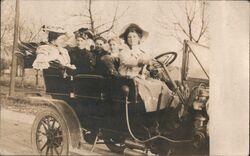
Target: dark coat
(106, 64)
(101, 67)
(83, 59)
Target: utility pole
(15, 46)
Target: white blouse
(47, 53)
(129, 60)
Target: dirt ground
(16, 119)
(15, 136)
(15, 133)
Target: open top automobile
(89, 108)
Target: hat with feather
(84, 33)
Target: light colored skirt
(150, 89)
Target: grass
(29, 80)
(19, 102)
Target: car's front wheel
(49, 134)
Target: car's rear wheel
(115, 146)
(49, 134)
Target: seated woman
(53, 54)
(112, 60)
(132, 61)
(99, 52)
(115, 47)
(81, 56)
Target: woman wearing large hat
(133, 57)
(132, 61)
(53, 51)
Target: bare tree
(7, 22)
(191, 24)
(29, 33)
(7, 30)
(96, 25)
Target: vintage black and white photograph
(88, 77)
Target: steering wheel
(159, 61)
(165, 58)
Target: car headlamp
(201, 99)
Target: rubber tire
(54, 113)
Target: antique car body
(93, 107)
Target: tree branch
(188, 28)
(178, 38)
(203, 30)
(36, 34)
(182, 29)
(203, 25)
(194, 11)
(30, 36)
(111, 27)
(190, 31)
(189, 22)
(80, 14)
(122, 14)
(91, 17)
(178, 23)
(20, 30)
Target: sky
(144, 13)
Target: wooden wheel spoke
(53, 124)
(42, 133)
(48, 122)
(51, 150)
(44, 123)
(47, 150)
(56, 150)
(58, 127)
(39, 140)
(44, 146)
(57, 144)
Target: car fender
(69, 116)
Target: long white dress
(47, 53)
(149, 89)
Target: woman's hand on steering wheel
(159, 61)
(162, 59)
(142, 62)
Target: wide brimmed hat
(84, 31)
(133, 27)
(54, 29)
